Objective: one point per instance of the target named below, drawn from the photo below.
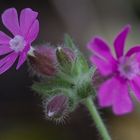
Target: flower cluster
(70, 71)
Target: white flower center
(128, 67)
(17, 43)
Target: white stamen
(17, 43)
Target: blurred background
(21, 113)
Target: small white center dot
(17, 43)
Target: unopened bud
(56, 107)
(65, 57)
(44, 61)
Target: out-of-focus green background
(21, 113)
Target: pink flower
(124, 72)
(24, 30)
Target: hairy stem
(97, 119)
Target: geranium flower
(123, 72)
(24, 30)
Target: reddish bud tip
(56, 107)
(44, 61)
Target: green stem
(96, 117)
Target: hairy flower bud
(65, 57)
(43, 61)
(56, 107)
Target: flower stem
(96, 117)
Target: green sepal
(69, 42)
(80, 64)
(51, 86)
(65, 64)
(46, 90)
(84, 86)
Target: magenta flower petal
(105, 93)
(4, 39)
(21, 60)
(104, 67)
(102, 56)
(135, 86)
(27, 18)
(114, 92)
(122, 103)
(7, 62)
(100, 48)
(133, 50)
(33, 32)
(22, 56)
(10, 20)
(119, 42)
(4, 49)
(24, 33)
(122, 73)
(3, 61)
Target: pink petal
(115, 92)
(135, 49)
(105, 67)
(106, 93)
(33, 32)
(122, 103)
(5, 49)
(22, 59)
(102, 56)
(10, 20)
(100, 48)
(135, 86)
(4, 39)
(119, 42)
(3, 61)
(27, 18)
(23, 56)
(7, 62)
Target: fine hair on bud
(56, 108)
(43, 61)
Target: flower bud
(56, 107)
(65, 57)
(43, 61)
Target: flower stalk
(97, 119)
